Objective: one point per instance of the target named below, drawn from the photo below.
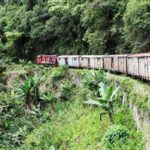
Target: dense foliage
(116, 135)
(38, 113)
(32, 27)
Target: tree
(137, 25)
(30, 4)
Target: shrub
(29, 89)
(49, 98)
(116, 134)
(66, 90)
(59, 73)
(92, 80)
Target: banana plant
(50, 98)
(106, 100)
(29, 89)
(65, 91)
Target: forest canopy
(31, 27)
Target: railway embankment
(63, 119)
(136, 96)
(138, 99)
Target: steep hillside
(50, 108)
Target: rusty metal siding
(143, 67)
(108, 63)
(99, 63)
(148, 61)
(130, 66)
(92, 63)
(116, 64)
(96, 62)
(122, 64)
(147, 71)
(74, 61)
(84, 62)
(119, 63)
(139, 65)
(62, 60)
(133, 66)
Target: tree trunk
(37, 97)
(53, 108)
(111, 118)
(28, 100)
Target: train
(137, 65)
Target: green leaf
(92, 102)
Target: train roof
(64, 56)
(140, 55)
(121, 55)
(92, 55)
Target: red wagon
(46, 59)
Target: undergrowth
(60, 120)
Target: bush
(116, 134)
(59, 73)
(66, 90)
(92, 80)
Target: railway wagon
(91, 61)
(96, 61)
(109, 62)
(62, 60)
(139, 65)
(120, 63)
(84, 61)
(74, 61)
(69, 60)
(46, 59)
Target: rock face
(11, 77)
(137, 117)
(142, 120)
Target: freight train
(137, 65)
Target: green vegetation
(29, 90)
(43, 114)
(106, 101)
(32, 27)
(46, 108)
(116, 135)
